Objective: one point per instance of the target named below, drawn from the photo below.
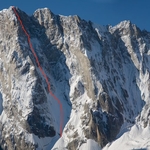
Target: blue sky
(102, 12)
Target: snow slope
(99, 73)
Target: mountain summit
(100, 74)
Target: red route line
(42, 71)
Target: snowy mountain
(100, 74)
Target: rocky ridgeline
(100, 74)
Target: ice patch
(90, 145)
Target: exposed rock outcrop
(99, 73)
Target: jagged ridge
(100, 74)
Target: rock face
(100, 74)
